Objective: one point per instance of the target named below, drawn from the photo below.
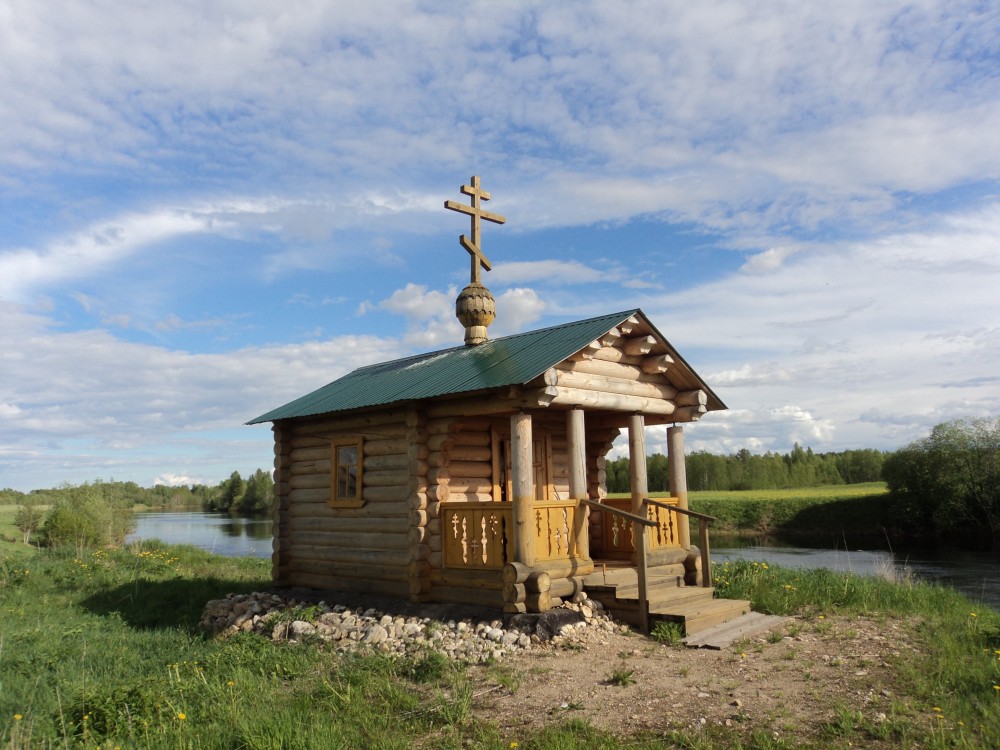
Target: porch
(668, 583)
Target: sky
(208, 209)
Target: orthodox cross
(476, 213)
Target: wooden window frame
(356, 500)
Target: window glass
(346, 474)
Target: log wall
(369, 548)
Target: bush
(948, 484)
(83, 517)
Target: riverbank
(825, 515)
(102, 649)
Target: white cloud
(176, 480)
(516, 310)
(554, 271)
(95, 401)
(430, 315)
(768, 260)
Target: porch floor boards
(693, 607)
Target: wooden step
(700, 615)
(694, 607)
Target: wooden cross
(476, 213)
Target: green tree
(949, 482)
(28, 517)
(258, 497)
(84, 517)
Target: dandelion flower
(936, 709)
(182, 716)
(18, 717)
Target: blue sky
(210, 208)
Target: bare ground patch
(789, 682)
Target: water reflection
(977, 574)
(219, 533)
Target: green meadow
(100, 649)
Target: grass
(830, 512)
(100, 649)
(825, 512)
(953, 683)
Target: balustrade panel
(619, 533)
(476, 535)
(554, 524)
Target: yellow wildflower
(182, 716)
(18, 717)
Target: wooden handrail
(641, 560)
(704, 521)
(685, 511)
(618, 512)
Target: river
(220, 533)
(977, 574)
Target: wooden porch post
(639, 486)
(576, 435)
(678, 480)
(523, 482)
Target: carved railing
(619, 533)
(476, 535)
(480, 535)
(704, 521)
(554, 524)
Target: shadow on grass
(857, 520)
(149, 605)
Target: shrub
(83, 517)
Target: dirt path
(791, 681)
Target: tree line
(801, 467)
(946, 485)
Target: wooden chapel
(476, 474)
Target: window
(345, 481)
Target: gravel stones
(470, 640)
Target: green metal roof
(511, 360)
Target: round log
(310, 481)
(480, 438)
(386, 446)
(351, 540)
(391, 525)
(390, 462)
(470, 497)
(440, 442)
(541, 602)
(470, 469)
(471, 453)
(538, 582)
(301, 468)
(390, 494)
(515, 572)
(514, 592)
(338, 555)
(469, 485)
(315, 453)
(437, 459)
(394, 478)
